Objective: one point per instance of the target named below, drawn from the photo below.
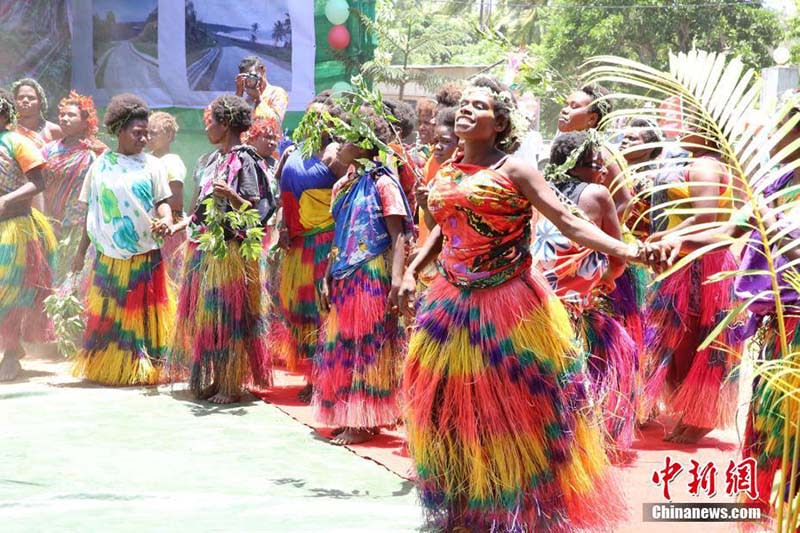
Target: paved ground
(76, 457)
(81, 458)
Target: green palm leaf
(717, 96)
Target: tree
(282, 31)
(409, 32)
(519, 21)
(277, 32)
(647, 30)
(287, 30)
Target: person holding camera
(268, 101)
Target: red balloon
(339, 37)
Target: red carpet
(635, 470)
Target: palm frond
(716, 95)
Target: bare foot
(10, 366)
(354, 436)
(224, 399)
(692, 435)
(677, 432)
(306, 393)
(208, 392)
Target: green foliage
(66, 310)
(411, 32)
(647, 34)
(309, 132)
(244, 219)
(353, 128)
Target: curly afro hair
(504, 104)
(7, 107)
(565, 144)
(380, 127)
(425, 110)
(322, 97)
(233, 112)
(37, 87)
(122, 109)
(601, 108)
(405, 115)
(163, 121)
(446, 117)
(449, 95)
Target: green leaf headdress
(557, 173)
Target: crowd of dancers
(502, 315)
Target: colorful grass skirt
(613, 363)
(221, 330)
(763, 438)
(294, 337)
(358, 367)
(130, 314)
(499, 423)
(27, 254)
(697, 386)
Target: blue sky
(125, 10)
(241, 13)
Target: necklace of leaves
(245, 221)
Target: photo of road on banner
(218, 36)
(125, 44)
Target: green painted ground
(94, 459)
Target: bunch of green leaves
(350, 125)
(355, 128)
(246, 219)
(65, 310)
(309, 132)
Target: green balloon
(340, 87)
(337, 11)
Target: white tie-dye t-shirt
(122, 193)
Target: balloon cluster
(337, 12)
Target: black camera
(251, 80)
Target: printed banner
(35, 42)
(183, 54)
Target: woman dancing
(221, 324)
(769, 408)
(130, 311)
(357, 368)
(27, 241)
(492, 340)
(582, 278)
(306, 185)
(697, 386)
